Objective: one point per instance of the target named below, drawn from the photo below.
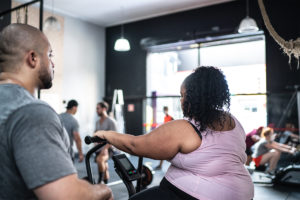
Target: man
(35, 162)
(71, 125)
(107, 124)
(167, 118)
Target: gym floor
(263, 191)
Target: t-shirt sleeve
(37, 139)
(113, 125)
(96, 126)
(76, 126)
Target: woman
(251, 139)
(206, 150)
(268, 151)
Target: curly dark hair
(206, 97)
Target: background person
(167, 118)
(288, 134)
(104, 123)
(35, 162)
(71, 125)
(251, 139)
(267, 151)
(206, 149)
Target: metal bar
(18, 7)
(87, 161)
(41, 29)
(287, 109)
(41, 14)
(128, 98)
(298, 105)
(140, 170)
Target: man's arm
(70, 187)
(78, 145)
(42, 158)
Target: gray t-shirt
(71, 125)
(259, 148)
(33, 144)
(107, 125)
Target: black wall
(5, 20)
(127, 70)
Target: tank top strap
(196, 129)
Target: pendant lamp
(122, 43)
(247, 24)
(51, 23)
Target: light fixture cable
(51, 22)
(122, 43)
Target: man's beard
(45, 78)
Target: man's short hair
(103, 104)
(15, 41)
(72, 103)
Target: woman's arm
(281, 147)
(163, 143)
(295, 136)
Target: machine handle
(94, 139)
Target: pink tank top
(214, 171)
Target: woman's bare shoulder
(178, 124)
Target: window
(242, 61)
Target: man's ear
(31, 59)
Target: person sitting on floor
(251, 139)
(267, 151)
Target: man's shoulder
(38, 106)
(68, 118)
(37, 111)
(111, 120)
(23, 104)
(67, 115)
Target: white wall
(84, 70)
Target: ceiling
(114, 12)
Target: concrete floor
(262, 191)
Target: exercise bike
(123, 167)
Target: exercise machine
(289, 175)
(143, 175)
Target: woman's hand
(293, 150)
(101, 134)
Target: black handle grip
(89, 139)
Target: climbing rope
(291, 47)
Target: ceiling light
(51, 23)
(122, 43)
(248, 24)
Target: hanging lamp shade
(248, 25)
(122, 44)
(51, 23)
